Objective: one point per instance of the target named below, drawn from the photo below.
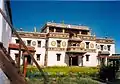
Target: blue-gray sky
(102, 17)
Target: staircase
(9, 67)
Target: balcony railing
(80, 50)
(75, 49)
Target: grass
(64, 80)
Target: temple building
(64, 45)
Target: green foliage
(64, 80)
(63, 71)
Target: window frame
(39, 45)
(109, 47)
(58, 43)
(87, 46)
(17, 40)
(87, 58)
(38, 58)
(28, 42)
(58, 56)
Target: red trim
(16, 47)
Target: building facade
(5, 33)
(5, 30)
(65, 45)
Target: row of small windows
(59, 55)
(38, 57)
(29, 42)
(103, 47)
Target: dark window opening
(84, 32)
(38, 57)
(108, 47)
(51, 29)
(58, 30)
(101, 47)
(28, 42)
(58, 43)
(39, 43)
(87, 45)
(16, 58)
(74, 44)
(17, 40)
(58, 57)
(87, 57)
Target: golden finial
(35, 30)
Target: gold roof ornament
(82, 45)
(35, 30)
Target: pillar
(105, 60)
(47, 29)
(19, 56)
(79, 32)
(25, 66)
(54, 29)
(63, 30)
(71, 61)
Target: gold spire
(63, 22)
(35, 30)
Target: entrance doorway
(73, 61)
(29, 60)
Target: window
(108, 47)
(58, 43)
(38, 57)
(87, 45)
(101, 47)
(17, 40)
(74, 44)
(16, 58)
(28, 42)
(87, 57)
(58, 57)
(39, 43)
(84, 32)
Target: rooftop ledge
(67, 26)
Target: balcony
(75, 49)
(75, 39)
(80, 50)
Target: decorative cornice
(78, 49)
(56, 49)
(31, 35)
(51, 24)
(87, 37)
(106, 41)
(58, 35)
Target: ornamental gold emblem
(82, 45)
(63, 43)
(92, 45)
(33, 43)
(53, 43)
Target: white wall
(5, 30)
(92, 59)
(39, 50)
(112, 49)
(52, 58)
(55, 39)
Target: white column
(47, 29)
(63, 30)
(54, 29)
(106, 61)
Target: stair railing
(23, 44)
